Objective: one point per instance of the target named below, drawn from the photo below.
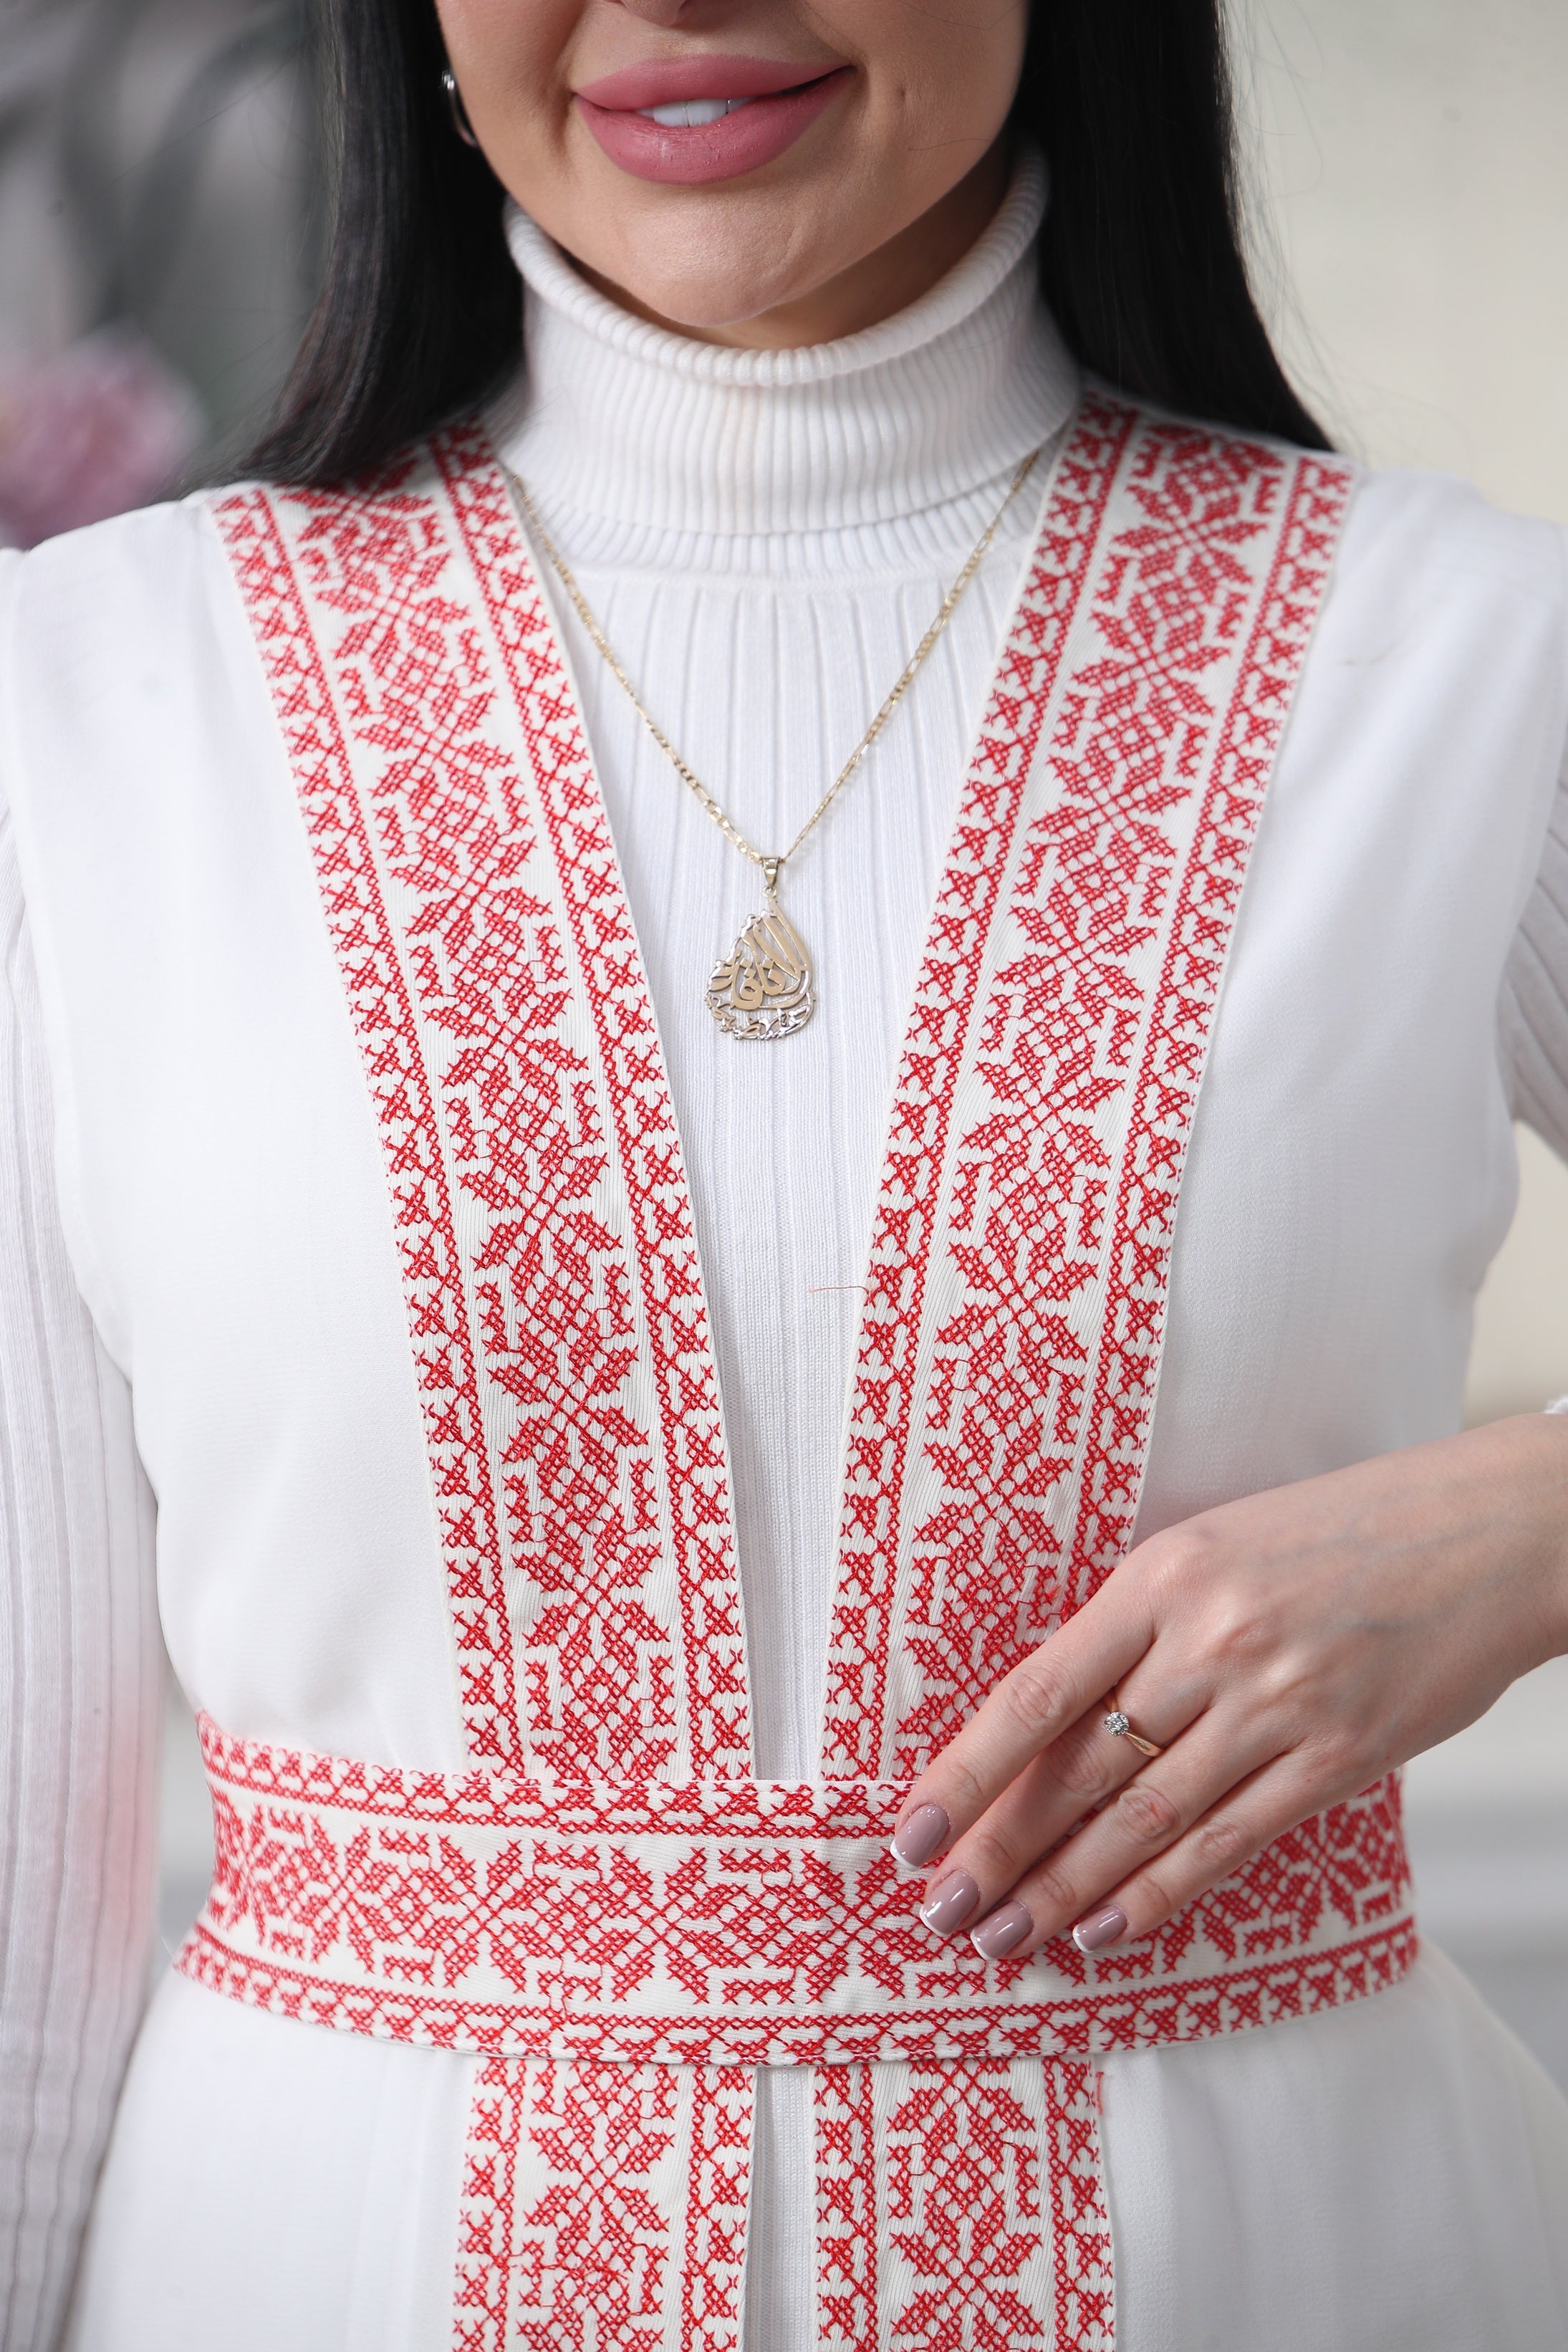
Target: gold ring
(1120, 1727)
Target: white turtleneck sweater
(764, 538)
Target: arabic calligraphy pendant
(765, 986)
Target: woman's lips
(763, 117)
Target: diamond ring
(1120, 1727)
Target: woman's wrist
(1536, 1466)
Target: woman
(427, 1110)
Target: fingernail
(955, 1897)
(922, 1836)
(1104, 1928)
(1002, 1932)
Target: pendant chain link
(770, 865)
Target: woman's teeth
(691, 113)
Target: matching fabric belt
(725, 1922)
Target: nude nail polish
(955, 1898)
(1003, 1932)
(922, 1836)
(1100, 1929)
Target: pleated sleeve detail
(1534, 1008)
(80, 1669)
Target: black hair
(419, 317)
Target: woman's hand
(1285, 1651)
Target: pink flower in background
(102, 427)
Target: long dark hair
(420, 316)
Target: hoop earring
(460, 123)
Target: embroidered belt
(738, 1923)
(624, 1955)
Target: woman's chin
(727, 304)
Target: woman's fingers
(1055, 1791)
(1083, 1880)
(1226, 1838)
(1029, 1709)
(1052, 1793)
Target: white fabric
(1374, 2213)
(79, 1667)
(222, 1194)
(1535, 1002)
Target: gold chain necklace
(766, 986)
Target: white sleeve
(1534, 1007)
(79, 1678)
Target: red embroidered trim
(1134, 2017)
(566, 2234)
(486, 2210)
(904, 1230)
(1203, 498)
(719, 2188)
(465, 1010)
(1079, 2217)
(648, 1146)
(964, 2215)
(1078, 1036)
(847, 2209)
(569, 2227)
(378, 563)
(722, 1922)
(972, 2212)
(593, 2235)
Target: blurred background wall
(159, 209)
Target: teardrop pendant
(765, 986)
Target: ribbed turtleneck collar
(625, 421)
